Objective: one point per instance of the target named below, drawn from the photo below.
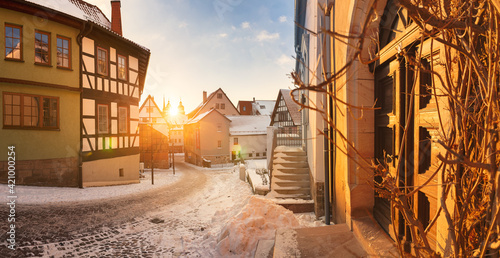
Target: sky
(244, 47)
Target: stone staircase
(290, 174)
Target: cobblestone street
(175, 220)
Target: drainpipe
(83, 33)
(327, 150)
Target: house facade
(66, 75)
(206, 137)
(287, 119)
(39, 92)
(358, 134)
(248, 137)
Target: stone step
(290, 164)
(291, 177)
(289, 196)
(280, 157)
(290, 170)
(279, 182)
(293, 190)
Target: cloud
(245, 25)
(285, 60)
(266, 36)
(282, 19)
(223, 35)
(183, 25)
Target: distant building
(256, 107)
(206, 137)
(217, 100)
(287, 119)
(263, 107)
(245, 107)
(248, 137)
(176, 123)
(154, 135)
(70, 85)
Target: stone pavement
(117, 227)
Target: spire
(180, 108)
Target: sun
(173, 111)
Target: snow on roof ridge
(84, 11)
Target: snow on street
(192, 215)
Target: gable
(219, 101)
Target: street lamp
(151, 142)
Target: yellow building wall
(27, 70)
(42, 144)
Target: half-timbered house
(113, 75)
(70, 85)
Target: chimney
(204, 96)
(116, 17)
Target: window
(122, 67)
(250, 155)
(219, 128)
(217, 105)
(102, 61)
(103, 118)
(222, 106)
(244, 108)
(63, 52)
(257, 154)
(219, 95)
(30, 111)
(219, 144)
(13, 42)
(235, 141)
(50, 107)
(42, 48)
(122, 120)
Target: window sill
(64, 68)
(14, 60)
(44, 65)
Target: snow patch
(258, 220)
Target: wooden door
(391, 97)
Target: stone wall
(46, 172)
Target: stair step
(279, 182)
(292, 177)
(291, 164)
(285, 170)
(291, 196)
(282, 157)
(293, 190)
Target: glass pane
(8, 109)
(8, 32)
(65, 44)
(16, 110)
(8, 44)
(8, 120)
(38, 36)
(65, 63)
(59, 43)
(16, 99)
(16, 32)
(7, 99)
(16, 120)
(45, 39)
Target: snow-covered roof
(248, 125)
(264, 107)
(78, 9)
(199, 117)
